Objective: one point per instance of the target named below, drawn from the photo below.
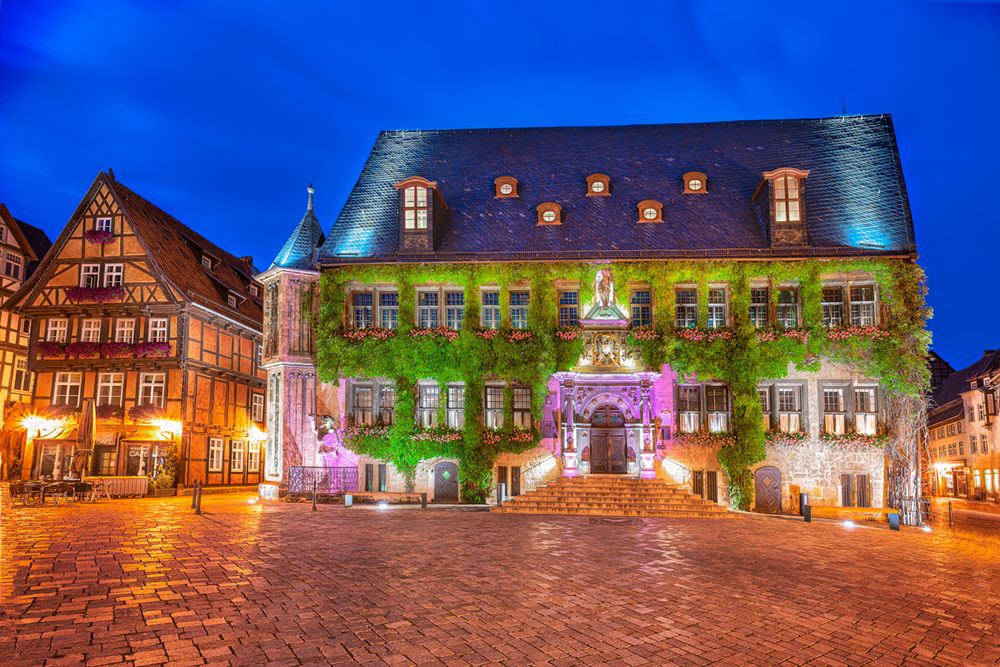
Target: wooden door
(616, 449)
(446, 482)
(607, 441)
(767, 490)
(599, 451)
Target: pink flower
(98, 236)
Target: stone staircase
(613, 495)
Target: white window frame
(13, 266)
(521, 405)
(152, 389)
(489, 314)
(519, 311)
(454, 312)
(789, 418)
(114, 275)
(429, 315)
(65, 387)
(158, 329)
(388, 313)
(236, 455)
(103, 224)
(864, 312)
(685, 312)
(215, 452)
(427, 413)
(55, 330)
(493, 416)
(90, 275)
(758, 309)
(415, 207)
(22, 376)
(866, 423)
(110, 389)
(718, 308)
(253, 457)
(831, 319)
(90, 330)
(835, 421)
(257, 407)
(125, 330)
(455, 407)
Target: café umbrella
(86, 435)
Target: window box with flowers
(83, 350)
(94, 294)
(437, 332)
(98, 236)
(855, 441)
(777, 333)
(151, 350)
(145, 414)
(782, 439)
(48, 349)
(438, 435)
(109, 412)
(704, 439)
(364, 334)
(116, 350)
(862, 332)
(696, 335)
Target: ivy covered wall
(741, 355)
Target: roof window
(549, 213)
(598, 185)
(695, 183)
(506, 187)
(650, 210)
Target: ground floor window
(236, 456)
(142, 459)
(105, 459)
(253, 457)
(215, 454)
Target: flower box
(85, 350)
(109, 412)
(855, 441)
(488, 334)
(702, 439)
(98, 236)
(442, 332)
(151, 350)
(568, 334)
(867, 332)
(438, 435)
(48, 349)
(777, 333)
(697, 335)
(782, 439)
(644, 333)
(116, 350)
(94, 294)
(146, 413)
(363, 334)
(519, 335)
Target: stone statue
(604, 288)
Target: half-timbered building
(732, 309)
(21, 247)
(161, 329)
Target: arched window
(650, 210)
(598, 185)
(506, 187)
(549, 213)
(695, 183)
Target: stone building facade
(602, 275)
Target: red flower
(98, 236)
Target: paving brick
(148, 582)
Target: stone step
(591, 507)
(664, 514)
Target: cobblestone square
(147, 582)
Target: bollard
(807, 513)
(423, 500)
(893, 520)
(314, 494)
(501, 492)
(194, 494)
(951, 517)
(803, 503)
(197, 509)
(348, 500)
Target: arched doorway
(607, 441)
(767, 490)
(446, 482)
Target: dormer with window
(208, 261)
(549, 213)
(598, 185)
(506, 187)
(785, 190)
(695, 183)
(650, 210)
(418, 201)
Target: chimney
(248, 260)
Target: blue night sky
(222, 112)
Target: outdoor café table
(55, 489)
(33, 491)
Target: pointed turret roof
(307, 235)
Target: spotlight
(383, 505)
(926, 529)
(848, 524)
(251, 501)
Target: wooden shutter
(845, 491)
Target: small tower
(291, 287)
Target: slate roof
(856, 198)
(176, 249)
(956, 383)
(38, 241)
(307, 235)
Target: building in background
(21, 247)
(510, 306)
(964, 434)
(159, 328)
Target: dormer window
(650, 210)
(207, 261)
(254, 290)
(786, 194)
(506, 187)
(415, 207)
(231, 300)
(549, 213)
(598, 185)
(695, 183)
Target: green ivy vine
(896, 358)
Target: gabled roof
(956, 383)
(32, 240)
(855, 198)
(306, 237)
(176, 249)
